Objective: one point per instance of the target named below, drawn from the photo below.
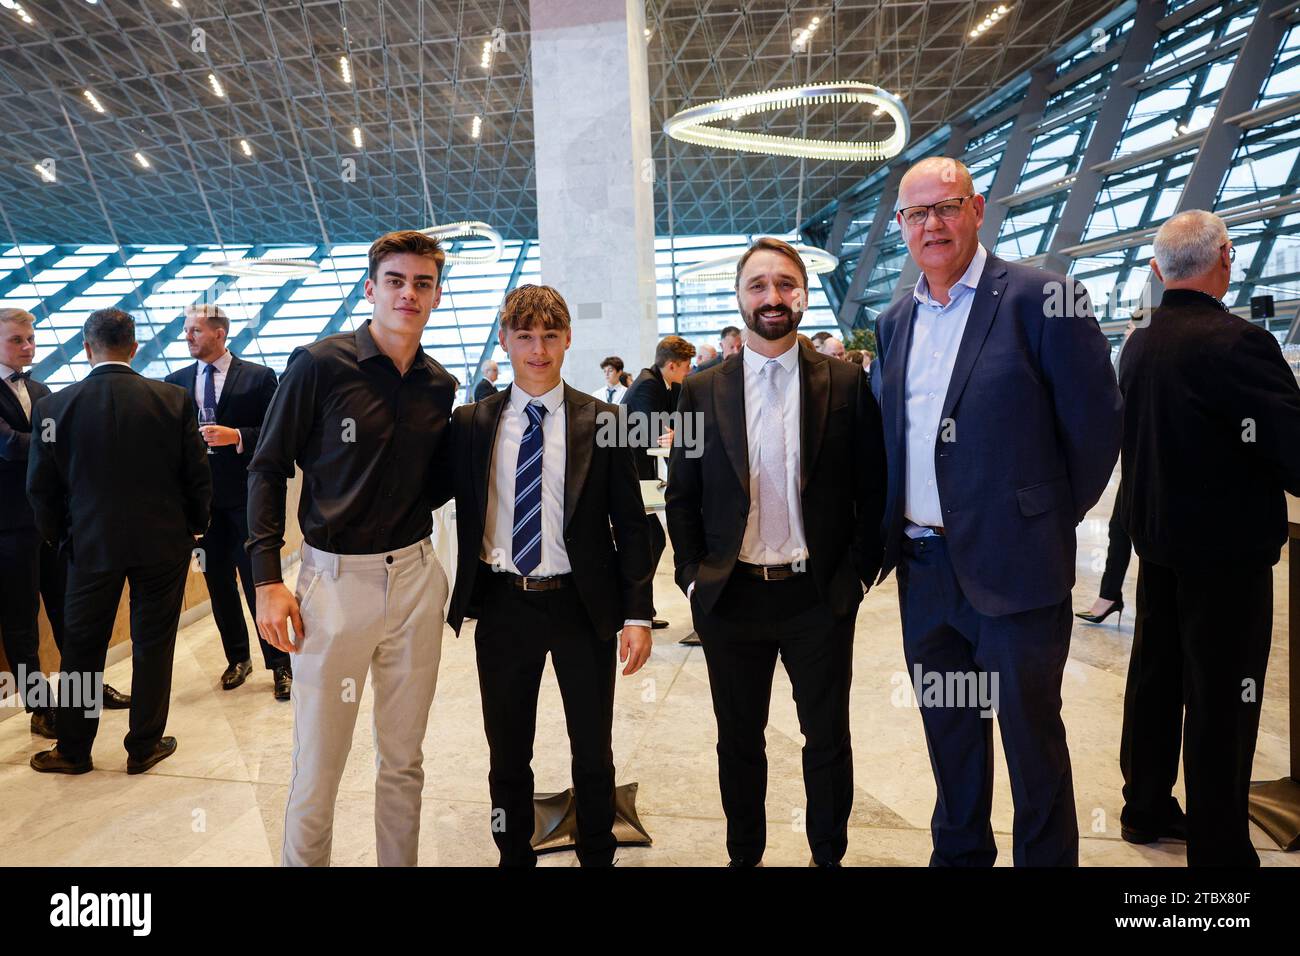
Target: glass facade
(1142, 174)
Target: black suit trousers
(224, 556)
(511, 640)
(157, 593)
(752, 623)
(29, 571)
(1196, 676)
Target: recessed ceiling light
(140, 158)
(93, 100)
(216, 86)
(46, 172)
(346, 69)
(243, 145)
(356, 136)
(477, 127)
(485, 60)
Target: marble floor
(220, 799)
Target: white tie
(773, 506)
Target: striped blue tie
(526, 538)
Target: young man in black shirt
(363, 414)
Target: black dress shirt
(367, 440)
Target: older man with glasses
(1002, 425)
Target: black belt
(521, 582)
(768, 572)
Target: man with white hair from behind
(1211, 442)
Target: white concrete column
(595, 178)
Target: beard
(772, 329)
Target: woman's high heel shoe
(1117, 607)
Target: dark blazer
(1211, 437)
(647, 395)
(123, 479)
(842, 479)
(1036, 413)
(605, 531)
(245, 397)
(484, 389)
(15, 439)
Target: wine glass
(208, 416)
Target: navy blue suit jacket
(245, 397)
(1036, 426)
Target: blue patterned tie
(210, 388)
(526, 538)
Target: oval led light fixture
(817, 261)
(469, 229)
(277, 268)
(693, 125)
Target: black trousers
(658, 540)
(29, 571)
(752, 623)
(157, 593)
(1196, 676)
(1118, 553)
(224, 555)
(516, 631)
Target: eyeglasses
(1232, 252)
(947, 210)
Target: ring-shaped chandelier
(469, 229)
(817, 261)
(277, 268)
(693, 125)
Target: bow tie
(20, 376)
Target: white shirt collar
(789, 359)
(552, 399)
(970, 278)
(222, 363)
(5, 372)
(110, 362)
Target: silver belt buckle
(765, 573)
(525, 579)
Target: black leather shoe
(51, 761)
(164, 749)
(115, 699)
(1175, 828)
(43, 724)
(657, 624)
(236, 674)
(283, 682)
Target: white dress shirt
(218, 377)
(936, 338)
(603, 393)
(19, 388)
(222, 366)
(498, 546)
(752, 548)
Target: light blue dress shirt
(936, 338)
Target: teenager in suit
(554, 559)
(239, 392)
(1002, 420)
(649, 399)
(613, 390)
(775, 521)
(1211, 442)
(119, 481)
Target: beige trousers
(379, 614)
